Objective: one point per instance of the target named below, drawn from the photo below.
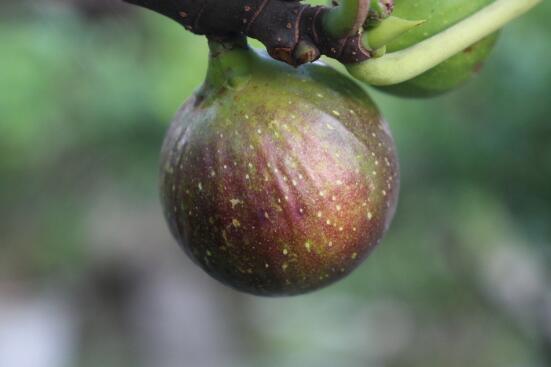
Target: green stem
(378, 11)
(229, 63)
(388, 30)
(347, 18)
(400, 66)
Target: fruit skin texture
(282, 185)
(439, 15)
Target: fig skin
(282, 185)
(439, 15)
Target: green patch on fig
(282, 183)
(438, 16)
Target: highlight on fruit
(279, 176)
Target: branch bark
(292, 32)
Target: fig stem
(346, 19)
(400, 66)
(229, 63)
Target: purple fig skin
(281, 186)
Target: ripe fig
(278, 181)
(439, 15)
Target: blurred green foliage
(84, 103)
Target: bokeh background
(89, 275)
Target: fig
(438, 15)
(276, 180)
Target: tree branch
(292, 32)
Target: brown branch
(291, 31)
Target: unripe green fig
(278, 181)
(438, 16)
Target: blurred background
(90, 276)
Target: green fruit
(282, 183)
(439, 15)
